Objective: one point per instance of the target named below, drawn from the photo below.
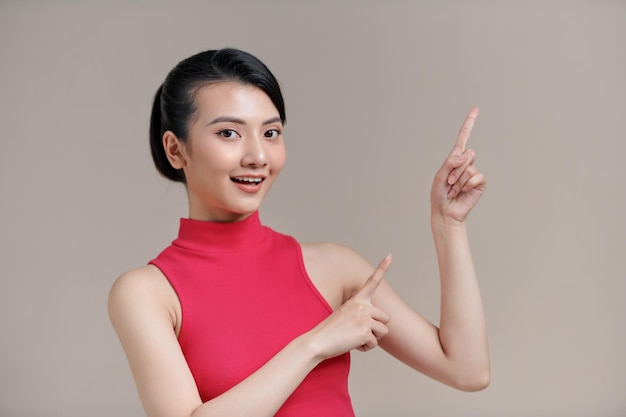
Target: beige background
(375, 95)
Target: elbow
(477, 381)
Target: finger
(469, 172)
(468, 159)
(369, 344)
(379, 315)
(379, 330)
(451, 163)
(465, 131)
(460, 184)
(477, 181)
(369, 288)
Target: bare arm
(457, 187)
(462, 333)
(456, 353)
(142, 310)
(138, 307)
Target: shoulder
(140, 292)
(140, 309)
(137, 283)
(334, 254)
(339, 263)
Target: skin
(236, 132)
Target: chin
(246, 209)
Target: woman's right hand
(357, 324)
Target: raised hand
(458, 185)
(357, 324)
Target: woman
(236, 319)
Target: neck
(225, 217)
(215, 214)
(215, 236)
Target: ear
(174, 150)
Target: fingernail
(451, 179)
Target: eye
(272, 133)
(228, 134)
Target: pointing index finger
(371, 285)
(465, 131)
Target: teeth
(250, 179)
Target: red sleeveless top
(244, 295)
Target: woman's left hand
(458, 184)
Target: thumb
(371, 285)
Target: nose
(253, 153)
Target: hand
(458, 185)
(357, 324)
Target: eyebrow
(239, 121)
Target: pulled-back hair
(174, 103)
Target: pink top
(244, 295)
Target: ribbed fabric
(244, 295)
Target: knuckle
(364, 331)
(386, 318)
(361, 310)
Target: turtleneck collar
(204, 236)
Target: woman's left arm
(456, 353)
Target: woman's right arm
(141, 313)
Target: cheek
(216, 158)
(279, 156)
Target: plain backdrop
(375, 95)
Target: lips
(248, 180)
(248, 184)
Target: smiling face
(233, 154)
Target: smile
(247, 180)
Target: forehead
(231, 98)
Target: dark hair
(174, 102)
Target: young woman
(235, 319)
